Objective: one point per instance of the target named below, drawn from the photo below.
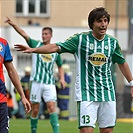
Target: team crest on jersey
(106, 47)
(97, 59)
(1, 48)
(46, 57)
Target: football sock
(54, 122)
(33, 123)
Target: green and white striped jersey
(93, 61)
(42, 64)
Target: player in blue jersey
(94, 52)
(6, 59)
(42, 77)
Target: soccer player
(6, 59)
(42, 77)
(94, 52)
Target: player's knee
(106, 130)
(51, 109)
(35, 112)
(86, 130)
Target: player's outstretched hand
(8, 20)
(27, 105)
(23, 48)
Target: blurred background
(68, 17)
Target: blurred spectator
(25, 82)
(9, 103)
(63, 94)
(30, 22)
(19, 102)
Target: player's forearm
(16, 82)
(126, 71)
(46, 49)
(61, 73)
(20, 31)
(14, 78)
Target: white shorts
(104, 113)
(40, 90)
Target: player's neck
(46, 43)
(98, 37)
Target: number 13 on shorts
(85, 114)
(102, 112)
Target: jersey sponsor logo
(97, 59)
(1, 48)
(46, 57)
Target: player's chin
(102, 32)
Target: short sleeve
(34, 43)
(70, 45)
(59, 61)
(117, 56)
(7, 55)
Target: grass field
(23, 126)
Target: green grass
(23, 126)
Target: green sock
(54, 122)
(33, 123)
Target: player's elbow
(55, 48)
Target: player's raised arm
(45, 49)
(17, 28)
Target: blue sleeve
(7, 55)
